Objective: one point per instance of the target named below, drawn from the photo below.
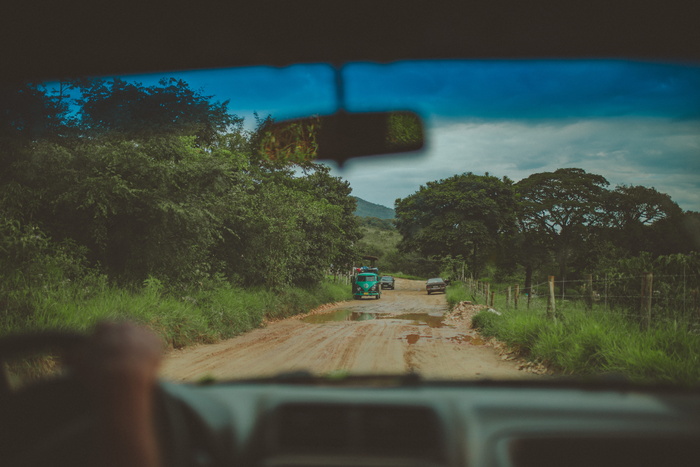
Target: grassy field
(202, 317)
(592, 342)
(401, 275)
(205, 316)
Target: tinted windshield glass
(557, 199)
(366, 277)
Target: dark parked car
(435, 284)
(388, 282)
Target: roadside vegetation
(590, 342)
(155, 203)
(202, 316)
(381, 240)
(623, 263)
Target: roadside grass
(457, 292)
(200, 317)
(595, 342)
(400, 275)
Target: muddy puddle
(466, 338)
(412, 338)
(433, 321)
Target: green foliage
(378, 241)
(293, 141)
(637, 205)
(411, 265)
(568, 224)
(676, 282)
(204, 316)
(457, 292)
(465, 215)
(561, 200)
(111, 182)
(560, 206)
(31, 266)
(377, 223)
(297, 228)
(123, 109)
(596, 343)
(404, 129)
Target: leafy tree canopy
(162, 181)
(461, 216)
(560, 200)
(136, 111)
(630, 205)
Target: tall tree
(463, 215)
(129, 109)
(562, 205)
(630, 213)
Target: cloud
(634, 123)
(654, 152)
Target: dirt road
(406, 330)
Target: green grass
(401, 275)
(378, 239)
(202, 317)
(591, 343)
(594, 343)
(457, 292)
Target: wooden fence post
(551, 304)
(493, 297)
(508, 298)
(516, 296)
(589, 291)
(487, 289)
(605, 294)
(647, 291)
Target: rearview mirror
(342, 136)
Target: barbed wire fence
(643, 297)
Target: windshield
(558, 199)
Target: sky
(635, 123)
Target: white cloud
(662, 153)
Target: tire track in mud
(406, 330)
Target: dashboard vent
(605, 452)
(336, 429)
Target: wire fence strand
(674, 297)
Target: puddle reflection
(352, 315)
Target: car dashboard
(280, 425)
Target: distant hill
(367, 209)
